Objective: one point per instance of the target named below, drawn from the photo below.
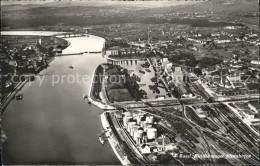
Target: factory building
(200, 113)
(177, 75)
(142, 130)
(162, 144)
(145, 149)
(183, 91)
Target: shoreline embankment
(111, 140)
(93, 101)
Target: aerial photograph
(109, 82)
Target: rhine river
(53, 124)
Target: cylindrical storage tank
(119, 115)
(149, 119)
(129, 114)
(147, 126)
(126, 119)
(140, 133)
(139, 136)
(142, 123)
(130, 125)
(135, 135)
(135, 115)
(140, 118)
(152, 133)
(134, 129)
(138, 141)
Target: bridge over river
(53, 124)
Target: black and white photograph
(143, 82)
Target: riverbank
(70, 49)
(20, 85)
(11, 95)
(114, 143)
(56, 116)
(17, 39)
(91, 98)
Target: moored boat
(141, 71)
(19, 97)
(147, 70)
(101, 139)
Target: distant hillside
(98, 13)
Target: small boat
(85, 96)
(71, 67)
(3, 136)
(102, 139)
(141, 71)
(147, 70)
(19, 97)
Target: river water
(53, 124)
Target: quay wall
(112, 141)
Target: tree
(209, 61)
(59, 46)
(165, 159)
(50, 49)
(197, 71)
(191, 62)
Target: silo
(126, 119)
(133, 130)
(149, 119)
(138, 141)
(152, 133)
(135, 135)
(130, 125)
(147, 126)
(142, 123)
(140, 118)
(135, 115)
(129, 114)
(138, 134)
